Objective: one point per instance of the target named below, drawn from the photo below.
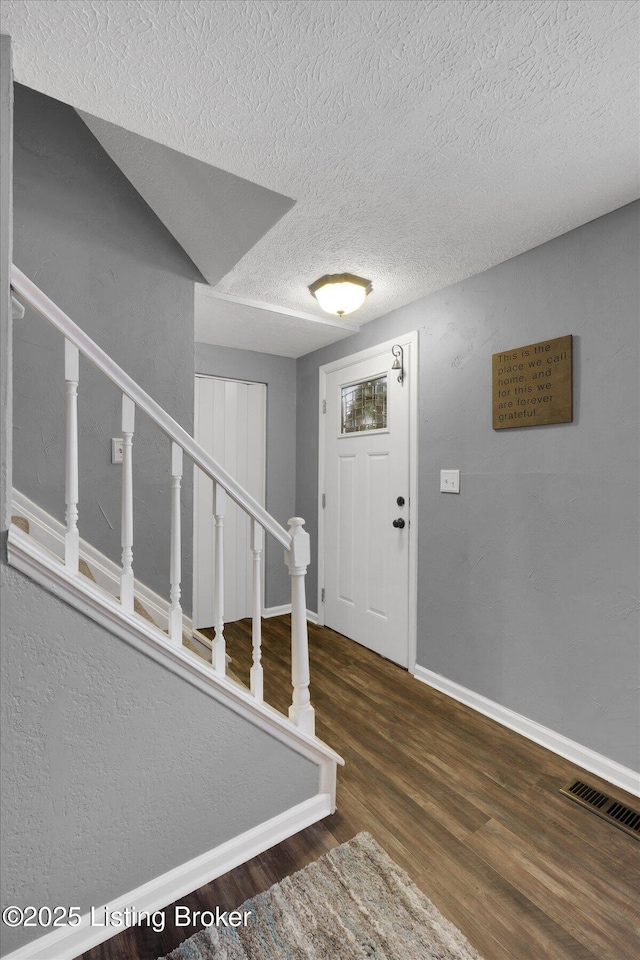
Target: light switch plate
(449, 481)
(116, 450)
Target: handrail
(40, 302)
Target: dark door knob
(399, 523)
(400, 501)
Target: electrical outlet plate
(449, 481)
(116, 450)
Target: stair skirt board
(609, 770)
(69, 942)
(31, 559)
(49, 533)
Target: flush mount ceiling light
(340, 293)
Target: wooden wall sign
(533, 385)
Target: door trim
(412, 381)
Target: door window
(364, 406)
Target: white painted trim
(322, 441)
(80, 592)
(410, 339)
(69, 942)
(278, 611)
(40, 302)
(49, 533)
(17, 309)
(609, 770)
(202, 290)
(414, 444)
(285, 608)
(341, 363)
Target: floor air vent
(611, 810)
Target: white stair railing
(219, 658)
(297, 559)
(257, 539)
(126, 523)
(71, 378)
(295, 540)
(175, 572)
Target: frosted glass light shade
(340, 293)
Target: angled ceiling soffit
(215, 216)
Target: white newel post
(175, 575)
(126, 523)
(218, 657)
(71, 378)
(297, 559)
(256, 675)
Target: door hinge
(322, 596)
(324, 406)
(324, 500)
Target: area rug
(352, 903)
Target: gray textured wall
(85, 236)
(528, 581)
(114, 769)
(6, 237)
(279, 373)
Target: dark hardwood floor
(470, 809)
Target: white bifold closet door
(230, 423)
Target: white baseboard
(279, 611)
(66, 943)
(611, 771)
(286, 608)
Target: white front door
(230, 423)
(366, 513)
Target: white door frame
(405, 340)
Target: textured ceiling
(423, 141)
(248, 328)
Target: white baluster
(257, 538)
(297, 559)
(218, 657)
(175, 610)
(71, 378)
(126, 525)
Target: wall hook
(398, 363)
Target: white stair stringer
(38, 563)
(49, 533)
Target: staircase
(55, 556)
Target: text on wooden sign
(533, 385)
